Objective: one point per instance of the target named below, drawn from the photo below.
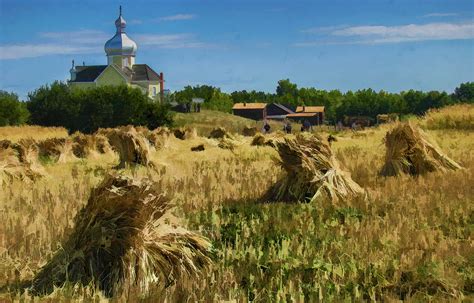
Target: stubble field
(410, 238)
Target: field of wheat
(408, 238)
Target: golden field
(410, 239)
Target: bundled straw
(409, 151)
(198, 148)
(220, 133)
(102, 144)
(132, 147)
(84, 145)
(258, 140)
(57, 149)
(159, 137)
(123, 240)
(185, 133)
(226, 143)
(19, 160)
(311, 171)
(249, 131)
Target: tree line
(86, 110)
(365, 102)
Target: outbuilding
(254, 111)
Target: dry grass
(460, 117)
(15, 133)
(411, 239)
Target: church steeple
(120, 49)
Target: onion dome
(120, 44)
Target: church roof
(88, 73)
(142, 72)
(139, 72)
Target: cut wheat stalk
(125, 239)
(410, 151)
(311, 172)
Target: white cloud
(411, 32)
(79, 37)
(178, 17)
(91, 42)
(170, 41)
(322, 29)
(440, 15)
(18, 51)
(370, 34)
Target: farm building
(277, 111)
(254, 111)
(314, 114)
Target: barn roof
(310, 109)
(249, 106)
(301, 115)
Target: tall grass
(460, 117)
(15, 133)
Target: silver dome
(120, 44)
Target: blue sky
(348, 45)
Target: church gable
(111, 76)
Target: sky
(390, 45)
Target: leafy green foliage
(465, 92)
(365, 102)
(12, 111)
(86, 110)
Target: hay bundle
(185, 133)
(409, 151)
(311, 171)
(102, 144)
(226, 143)
(249, 131)
(159, 137)
(84, 145)
(219, 133)
(57, 149)
(261, 140)
(28, 151)
(122, 240)
(19, 161)
(130, 145)
(258, 140)
(197, 148)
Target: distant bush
(12, 110)
(460, 117)
(86, 110)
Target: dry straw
(57, 149)
(185, 133)
(409, 151)
(19, 160)
(125, 239)
(84, 146)
(131, 146)
(249, 131)
(312, 171)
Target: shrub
(12, 111)
(87, 110)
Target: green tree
(464, 93)
(87, 110)
(12, 110)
